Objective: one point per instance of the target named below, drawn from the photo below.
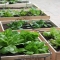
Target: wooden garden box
(18, 7)
(55, 54)
(7, 21)
(43, 56)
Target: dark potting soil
(10, 54)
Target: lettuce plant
(25, 42)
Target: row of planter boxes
(46, 18)
(52, 54)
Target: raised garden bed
(22, 45)
(17, 5)
(27, 24)
(52, 39)
(31, 14)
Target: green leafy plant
(31, 12)
(34, 12)
(12, 13)
(25, 42)
(16, 24)
(40, 24)
(7, 13)
(54, 39)
(26, 25)
(23, 13)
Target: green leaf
(46, 34)
(21, 50)
(10, 48)
(29, 52)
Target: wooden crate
(43, 56)
(55, 54)
(7, 19)
(4, 22)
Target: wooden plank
(17, 5)
(25, 18)
(1, 27)
(27, 57)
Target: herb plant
(23, 42)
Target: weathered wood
(25, 18)
(1, 27)
(26, 57)
(17, 5)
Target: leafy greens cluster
(30, 12)
(25, 42)
(54, 37)
(26, 25)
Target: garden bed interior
(27, 24)
(22, 12)
(55, 53)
